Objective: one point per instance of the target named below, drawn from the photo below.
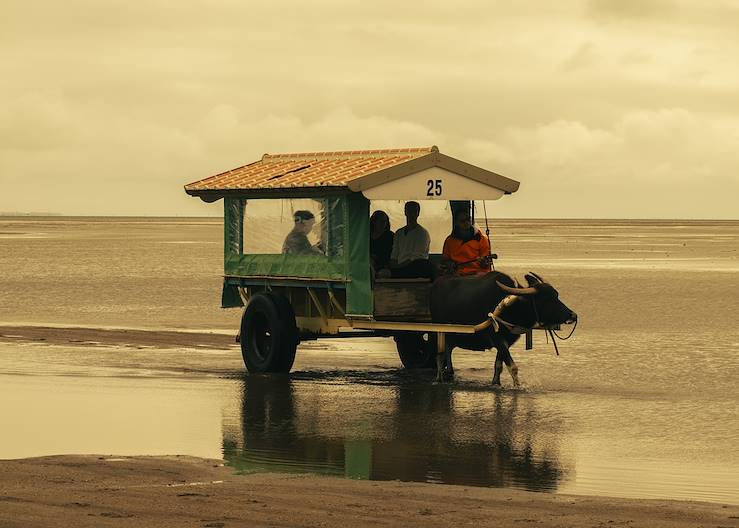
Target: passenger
(410, 255)
(296, 242)
(466, 249)
(381, 240)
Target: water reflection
(401, 430)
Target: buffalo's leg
(497, 370)
(440, 356)
(444, 369)
(503, 357)
(499, 345)
(448, 359)
(513, 370)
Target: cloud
(631, 9)
(112, 162)
(35, 121)
(228, 138)
(112, 107)
(584, 57)
(647, 163)
(106, 161)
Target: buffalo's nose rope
(522, 329)
(568, 335)
(550, 332)
(555, 335)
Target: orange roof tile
(310, 169)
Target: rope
(487, 233)
(554, 342)
(551, 332)
(569, 335)
(514, 329)
(485, 211)
(517, 329)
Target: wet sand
(186, 491)
(118, 295)
(133, 337)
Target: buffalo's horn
(536, 278)
(516, 291)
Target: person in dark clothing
(296, 242)
(381, 240)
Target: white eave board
(433, 183)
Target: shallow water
(640, 403)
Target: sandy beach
(178, 491)
(194, 326)
(103, 360)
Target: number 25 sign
(433, 188)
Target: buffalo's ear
(532, 278)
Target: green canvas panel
(233, 214)
(233, 224)
(230, 297)
(308, 266)
(359, 300)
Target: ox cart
(328, 289)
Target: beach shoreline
(96, 490)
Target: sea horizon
(501, 218)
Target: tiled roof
(311, 169)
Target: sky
(600, 108)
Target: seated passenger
(296, 242)
(410, 255)
(466, 249)
(381, 240)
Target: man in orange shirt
(466, 249)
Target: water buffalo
(468, 300)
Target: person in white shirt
(410, 255)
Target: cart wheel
(416, 349)
(269, 335)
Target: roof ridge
(344, 154)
